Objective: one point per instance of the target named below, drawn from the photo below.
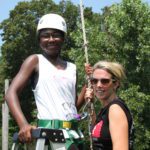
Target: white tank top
(55, 92)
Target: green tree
(128, 26)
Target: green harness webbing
(68, 126)
(58, 124)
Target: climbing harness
(54, 135)
(89, 104)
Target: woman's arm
(118, 126)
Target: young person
(54, 85)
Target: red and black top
(100, 131)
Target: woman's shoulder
(119, 108)
(115, 109)
(119, 103)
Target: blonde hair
(115, 69)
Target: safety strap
(58, 124)
(70, 130)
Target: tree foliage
(121, 33)
(129, 25)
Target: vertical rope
(83, 29)
(89, 103)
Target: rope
(84, 35)
(89, 104)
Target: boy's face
(51, 41)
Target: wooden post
(5, 119)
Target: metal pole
(5, 121)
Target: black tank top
(100, 131)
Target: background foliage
(121, 33)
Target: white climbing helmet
(53, 21)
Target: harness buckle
(66, 124)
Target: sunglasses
(103, 81)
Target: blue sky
(97, 5)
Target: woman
(113, 125)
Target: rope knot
(85, 44)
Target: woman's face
(51, 41)
(103, 84)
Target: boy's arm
(12, 96)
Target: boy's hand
(88, 69)
(25, 133)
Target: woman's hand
(89, 94)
